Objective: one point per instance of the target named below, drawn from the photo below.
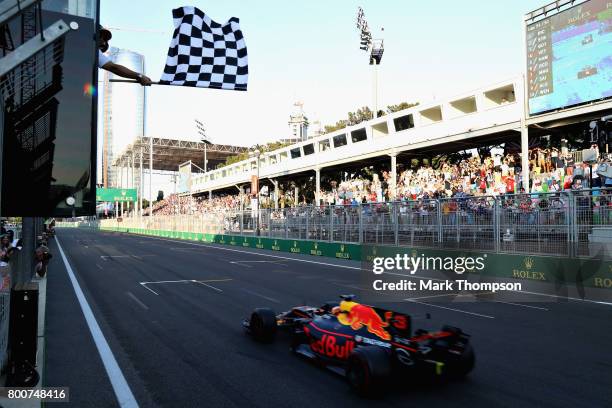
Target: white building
(298, 124)
(122, 108)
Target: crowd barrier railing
(568, 223)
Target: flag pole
(130, 81)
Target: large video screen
(569, 57)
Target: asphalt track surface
(180, 344)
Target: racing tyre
(463, 364)
(458, 366)
(368, 370)
(263, 325)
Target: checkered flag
(206, 54)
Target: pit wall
(592, 273)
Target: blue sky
(309, 51)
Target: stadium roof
(168, 154)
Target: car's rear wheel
(463, 364)
(368, 369)
(263, 325)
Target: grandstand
(487, 116)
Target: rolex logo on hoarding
(295, 248)
(342, 254)
(528, 272)
(315, 249)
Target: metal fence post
(286, 223)
(307, 221)
(439, 221)
(496, 221)
(269, 223)
(395, 223)
(574, 219)
(331, 223)
(360, 210)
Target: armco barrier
(593, 273)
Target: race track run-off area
(169, 315)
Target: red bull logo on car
(330, 347)
(357, 316)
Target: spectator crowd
(551, 170)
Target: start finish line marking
(200, 282)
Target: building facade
(122, 108)
(298, 124)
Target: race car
(369, 346)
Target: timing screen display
(569, 57)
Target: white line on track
(130, 294)
(200, 282)
(142, 256)
(450, 308)
(521, 305)
(148, 288)
(120, 386)
(208, 286)
(243, 265)
(168, 281)
(436, 296)
(358, 268)
(106, 257)
(260, 295)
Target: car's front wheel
(262, 325)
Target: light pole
(257, 153)
(375, 47)
(204, 139)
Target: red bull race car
(367, 345)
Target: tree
(160, 195)
(400, 106)
(361, 115)
(268, 147)
(341, 124)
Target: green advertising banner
(116, 194)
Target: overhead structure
(168, 154)
(376, 48)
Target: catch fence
(568, 223)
